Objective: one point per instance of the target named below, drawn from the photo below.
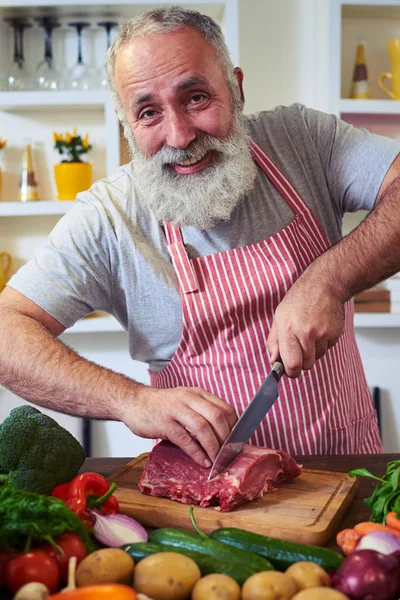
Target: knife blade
(246, 425)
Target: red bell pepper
(87, 491)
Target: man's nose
(179, 130)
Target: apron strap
(182, 264)
(278, 180)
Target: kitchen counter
(356, 513)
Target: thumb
(272, 343)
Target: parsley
(26, 516)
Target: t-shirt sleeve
(70, 275)
(355, 160)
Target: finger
(215, 416)
(199, 427)
(291, 354)
(273, 343)
(308, 349)
(179, 436)
(227, 409)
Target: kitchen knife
(250, 420)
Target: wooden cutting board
(308, 509)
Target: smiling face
(184, 126)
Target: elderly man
(219, 240)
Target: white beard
(200, 199)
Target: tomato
(71, 545)
(32, 566)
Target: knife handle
(277, 368)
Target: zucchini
(281, 553)
(207, 564)
(187, 540)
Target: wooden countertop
(356, 513)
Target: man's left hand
(308, 321)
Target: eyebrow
(183, 85)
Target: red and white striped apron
(228, 303)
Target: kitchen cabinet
(32, 116)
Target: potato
(269, 585)
(216, 587)
(320, 593)
(166, 576)
(307, 574)
(109, 565)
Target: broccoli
(36, 453)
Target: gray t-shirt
(109, 253)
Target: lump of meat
(171, 473)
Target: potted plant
(72, 175)
(2, 145)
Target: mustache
(195, 150)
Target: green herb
(386, 495)
(27, 517)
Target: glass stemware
(102, 75)
(47, 76)
(18, 77)
(81, 76)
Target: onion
(117, 530)
(368, 575)
(381, 541)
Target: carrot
(369, 527)
(347, 540)
(393, 521)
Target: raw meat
(172, 473)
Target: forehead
(146, 61)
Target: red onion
(117, 530)
(381, 541)
(368, 575)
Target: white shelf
(24, 101)
(376, 320)
(96, 325)
(29, 209)
(369, 107)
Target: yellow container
(393, 47)
(72, 178)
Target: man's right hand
(191, 418)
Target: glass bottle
(28, 190)
(360, 89)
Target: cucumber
(187, 540)
(207, 564)
(281, 553)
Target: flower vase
(72, 178)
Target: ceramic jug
(5, 264)
(393, 47)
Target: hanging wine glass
(102, 75)
(47, 76)
(81, 76)
(17, 76)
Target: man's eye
(147, 114)
(198, 98)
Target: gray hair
(162, 20)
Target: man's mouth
(192, 165)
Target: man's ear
(239, 78)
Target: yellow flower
(57, 136)
(68, 138)
(85, 141)
(3, 143)
(74, 132)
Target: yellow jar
(72, 178)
